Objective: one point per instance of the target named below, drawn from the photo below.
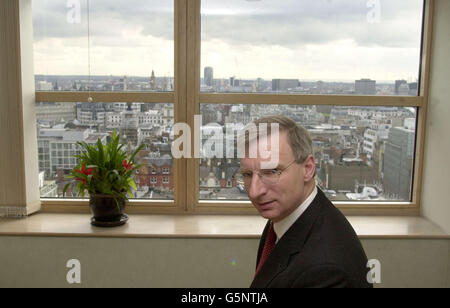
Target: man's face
(277, 201)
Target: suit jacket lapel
(262, 242)
(291, 243)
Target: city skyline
(363, 86)
(353, 145)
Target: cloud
(300, 37)
(263, 22)
(127, 37)
(108, 18)
(296, 23)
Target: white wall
(40, 261)
(128, 262)
(182, 263)
(436, 182)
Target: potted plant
(105, 172)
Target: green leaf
(130, 193)
(132, 183)
(135, 152)
(101, 153)
(80, 189)
(109, 176)
(65, 188)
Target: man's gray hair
(298, 137)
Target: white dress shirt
(282, 226)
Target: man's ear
(310, 168)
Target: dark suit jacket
(320, 249)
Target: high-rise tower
(209, 76)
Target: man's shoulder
(331, 235)
(330, 217)
(332, 248)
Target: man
(307, 242)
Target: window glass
(73, 122)
(369, 47)
(131, 45)
(361, 153)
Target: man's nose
(257, 187)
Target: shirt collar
(282, 226)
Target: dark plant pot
(107, 210)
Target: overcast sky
(304, 39)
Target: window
(123, 57)
(352, 73)
(133, 128)
(340, 76)
(346, 163)
(311, 47)
(132, 45)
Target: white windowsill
(203, 226)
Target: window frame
(187, 99)
(177, 97)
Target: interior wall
(435, 201)
(203, 263)
(115, 262)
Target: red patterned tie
(268, 247)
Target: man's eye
(269, 172)
(246, 175)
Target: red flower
(127, 165)
(84, 171)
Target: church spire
(153, 81)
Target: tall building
(398, 162)
(153, 81)
(413, 88)
(57, 148)
(403, 90)
(122, 84)
(398, 83)
(284, 84)
(209, 76)
(232, 79)
(259, 84)
(370, 140)
(365, 87)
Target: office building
(365, 87)
(398, 83)
(398, 162)
(284, 84)
(209, 76)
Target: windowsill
(203, 226)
